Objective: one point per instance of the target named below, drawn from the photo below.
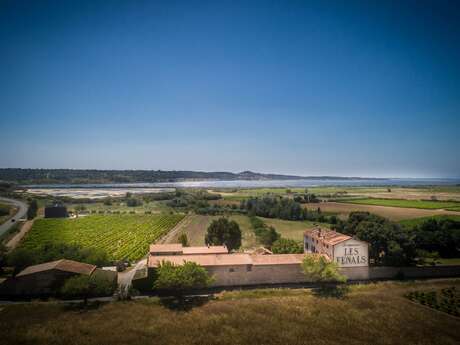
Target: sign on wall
(351, 253)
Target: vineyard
(121, 236)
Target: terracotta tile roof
(205, 250)
(61, 265)
(166, 248)
(203, 260)
(277, 259)
(327, 236)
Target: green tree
(32, 210)
(20, 258)
(84, 286)
(3, 256)
(389, 243)
(268, 236)
(177, 279)
(183, 239)
(287, 246)
(224, 232)
(318, 269)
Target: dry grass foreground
(372, 314)
(393, 213)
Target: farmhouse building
(46, 279)
(228, 269)
(240, 269)
(342, 249)
(261, 266)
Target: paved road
(125, 278)
(22, 212)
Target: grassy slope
(406, 203)
(373, 314)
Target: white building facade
(341, 249)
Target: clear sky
(361, 88)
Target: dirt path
(171, 235)
(393, 213)
(19, 236)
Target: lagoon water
(117, 189)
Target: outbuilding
(46, 279)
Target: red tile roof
(177, 248)
(166, 248)
(327, 236)
(61, 265)
(203, 260)
(205, 250)
(277, 259)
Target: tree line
(284, 208)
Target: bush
(287, 246)
(181, 278)
(224, 232)
(84, 286)
(318, 269)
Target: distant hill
(81, 176)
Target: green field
(290, 228)
(120, 236)
(425, 204)
(377, 314)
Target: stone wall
(245, 275)
(291, 274)
(376, 273)
(256, 274)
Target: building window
(248, 268)
(231, 270)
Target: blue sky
(362, 88)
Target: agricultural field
(446, 300)
(409, 193)
(343, 209)
(154, 207)
(423, 204)
(195, 228)
(290, 228)
(377, 314)
(120, 236)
